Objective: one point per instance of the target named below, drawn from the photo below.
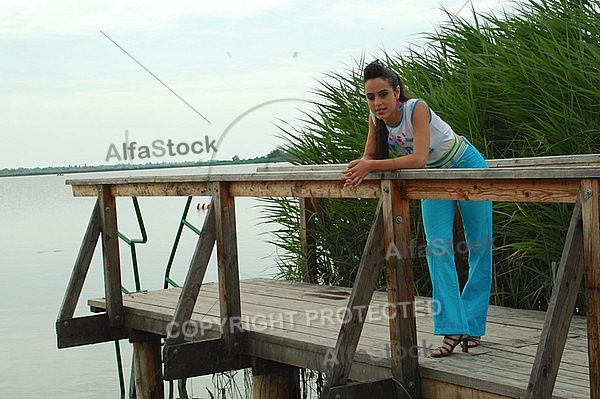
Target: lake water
(41, 228)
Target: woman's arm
(359, 168)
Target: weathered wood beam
(521, 190)
(110, 254)
(401, 297)
(532, 173)
(489, 189)
(194, 189)
(82, 265)
(559, 313)
(554, 160)
(254, 188)
(191, 359)
(227, 263)
(87, 330)
(195, 276)
(387, 388)
(590, 211)
(304, 188)
(339, 361)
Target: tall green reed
(525, 82)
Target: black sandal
(473, 341)
(449, 343)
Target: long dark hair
(383, 149)
(377, 70)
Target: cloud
(72, 17)
(26, 18)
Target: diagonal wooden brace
(358, 305)
(560, 311)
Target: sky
(182, 81)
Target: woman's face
(382, 99)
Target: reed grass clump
(522, 83)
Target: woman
(418, 138)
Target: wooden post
(147, 365)
(401, 299)
(590, 212)
(227, 260)
(275, 380)
(110, 254)
(307, 224)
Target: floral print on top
(400, 136)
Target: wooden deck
(298, 324)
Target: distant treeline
(274, 156)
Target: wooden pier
(208, 328)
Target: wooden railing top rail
(328, 173)
(515, 184)
(556, 160)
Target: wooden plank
(527, 173)
(554, 160)
(339, 361)
(387, 388)
(523, 190)
(399, 277)
(282, 300)
(591, 261)
(194, 189)
(110, 255)
(442, 187)
(559, 313)
(86, 330)
(147, 366)
(227, 263)
(206, 357)
(82, 265)
(439, 389)
(194, 277)
(319, 188)
(501, 173)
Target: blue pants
(456, 312)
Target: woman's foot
(449, 343)
(473, 341)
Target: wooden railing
(552, 179)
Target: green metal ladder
(168, 281)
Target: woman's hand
(356, 171)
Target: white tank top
(442, 138)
